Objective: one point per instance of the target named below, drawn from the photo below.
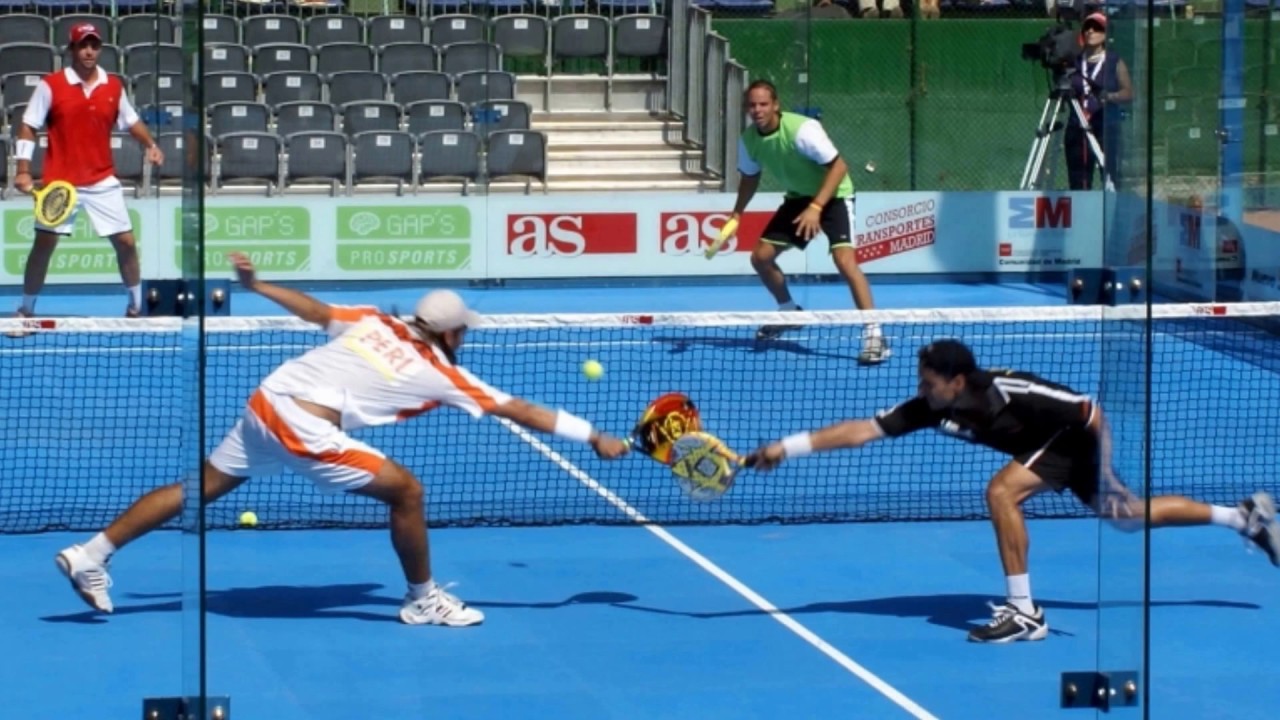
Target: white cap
(442, 310)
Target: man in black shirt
(1058, 440)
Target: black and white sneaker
(1260, 525)
(1009, 624)
(773, 332)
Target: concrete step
(608, 128)
(623, 159)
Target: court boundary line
(697, 558)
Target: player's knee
(124, 241)
(763, 256)
(407, 489)
(1001, 494)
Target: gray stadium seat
(4, 165)
(219, 29)
(230, 87)
(316, 156)
(579, 36)
(16, 88)
(26, 28)
(448, 29)
(151, 89)
(492, 116)
(173, 145)
(517, 153)
(257, 30)
(522, 36)
(640, 36)
(249, 157)
(302, 116)
(325, 29)
(467, 56)
(149, 28)
(384, 30)
(432, 115)
(448, 155)
(224, 58)
(142, 59)
(126, 154)
(13, 117)
(165, 117)
(26, 57)
(231, 117)
(365, 115)
(347, 87)
(282, 87)
(410, 87)
(403, 57)
(281, 57)
(343, 57)
(481, 85)
(381, 157)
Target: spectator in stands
(819, 197)
(1101, 85)
(79, 106)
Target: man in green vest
(819, 197)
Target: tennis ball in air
(593, 369)
(248, 518)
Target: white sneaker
(89, 577)
(439, 608)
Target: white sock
(135, 297)
(29, 304)
(99, 549)
(1227, 517)
(788, 305)
(871, 330)
(1019, 592)
(417, 591)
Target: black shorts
(1068, 462)
(836, 223)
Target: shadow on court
(957, 611)
(317, 602)
(685, 342)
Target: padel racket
(55, 203)
(704, 466)
(726, 231)
(662, 423)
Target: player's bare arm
(747, 185)
(139, 131)
(561, 423)
(843, 435)
(297, 303)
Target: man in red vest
(79, 107)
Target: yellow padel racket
(704, 466)
(55, 203)
(726, 231)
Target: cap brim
(472, 318)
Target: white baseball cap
(442, 310)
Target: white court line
(718, 573)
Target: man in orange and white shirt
(375, 370)
(80, 106)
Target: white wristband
(797, 445)
(572, 427)
(24, 149)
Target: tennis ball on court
(248, 518)
(593, 369)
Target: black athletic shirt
(1019, 414)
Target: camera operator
(1101, 84)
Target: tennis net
(90, 408)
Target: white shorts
(274, 433)
(103, 201)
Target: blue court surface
(823, 620)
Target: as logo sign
(1038, 213)
(692, 232)
(571, 234)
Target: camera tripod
(1035, 171)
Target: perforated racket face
(703, 465)
(55, 206)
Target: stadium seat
(280, 57)
(304, 116)
(380, 157)
(517, 153)
(449, 156)
(233, 117)
(316, 157)
(405, 56)
(282, 87)
(445, 30)
(220, 29)
(435, 115)
(522, 36)
(138, 29)
(126, 155)
(230, 87)
(466, 56)
(384, 30)
(271, 29)
(224, 57)
(26, 57)
(152, 88)
(165, 117)
(481, 85)
(366, 115)
(414, 85)
(25, 28)
(494, 115)
(349, 87)
(16, 88)
(153, 58)
(640, 36)
(343, 57)
(574, 39)
(248, 158)
(325, 29)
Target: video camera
(1056, 50)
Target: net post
(186, 708)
